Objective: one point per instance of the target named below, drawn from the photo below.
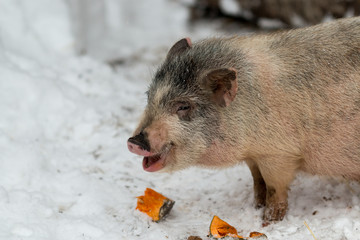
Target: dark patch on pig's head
(183, 71)
(179, 73)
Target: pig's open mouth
(156, 162)
(153, 163)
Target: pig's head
(186, 101)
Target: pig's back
(310, 85)
(326, 83)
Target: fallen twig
(309, 230)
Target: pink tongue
(153, 164)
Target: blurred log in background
(289, 12)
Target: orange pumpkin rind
(221, 229)
(256, 235)
(154, 204)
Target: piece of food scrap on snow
(221, 229)
(154, 204)
(257, 235)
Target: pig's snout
(139, 145)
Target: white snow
(65, 171)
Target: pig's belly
(335, 153)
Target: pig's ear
(223, 85)
(179, 47)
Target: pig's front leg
(278, 173)
(259, 185)
(276, 205)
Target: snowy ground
(65, 171)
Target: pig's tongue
(153, 163)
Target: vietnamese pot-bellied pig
(281, 102)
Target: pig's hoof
(259, 204)
(260, 199)
(275, 212)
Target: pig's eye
(183, 108)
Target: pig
(281, 102)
